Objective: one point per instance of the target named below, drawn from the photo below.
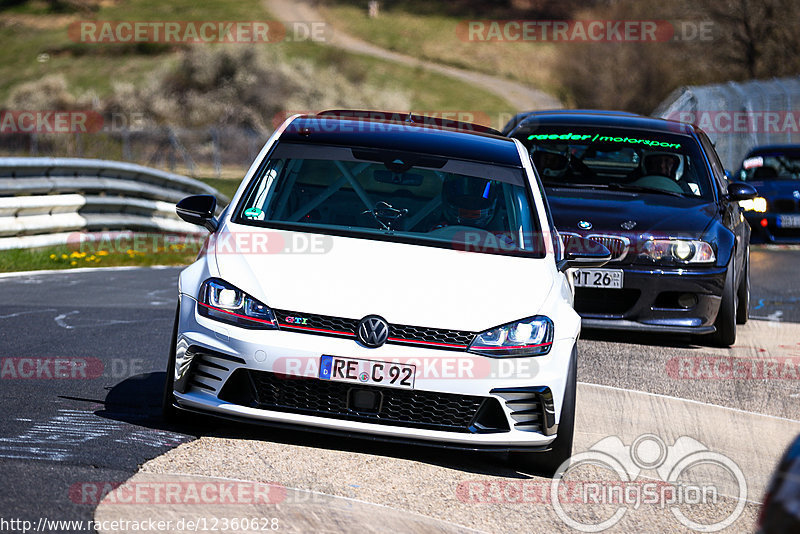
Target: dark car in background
(654, 193)
(775, 214)
(780, 512)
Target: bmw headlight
(528, 337)
(221, 301)
(758, 204)
(678, 250)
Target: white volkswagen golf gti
(397, 278)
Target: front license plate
(367, 372)
(789, 221)
(604, 278)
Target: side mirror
(582, 252)
(741, 191)
(199, 210)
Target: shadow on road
(137, 400)
(682, 341)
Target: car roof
(602, 118)
(764, 150)
(403, 137)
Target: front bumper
(648, 300)
(230, 358)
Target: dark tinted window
(616, 158)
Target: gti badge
(584, 225)
(628, 225)
(796, 195)
(372, 331)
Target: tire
(169, 413)
(743, 293)
(725, 336)
(547, 463)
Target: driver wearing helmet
(552, 161)
(663, 164)
(468, 201)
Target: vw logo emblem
(372, 331)
(584, 225)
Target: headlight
(678, 250)
(758, 204)
(221, 301)
(529, 337)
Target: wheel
(168, 411)
(743, 293)
(725, 336)
(547, 463)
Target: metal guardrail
(45, 201)
(738, 116)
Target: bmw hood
(405, 284)
(630, 214)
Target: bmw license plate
(603, 278)
(789, 221)
(367, 372)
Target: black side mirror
(582, 252)
(741, 191)
(199, 210)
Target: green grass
(433, 35)
(96, 67)
(428, 91)
(141, 251)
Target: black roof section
(408, 118)
(764, 150)
(331, 128)
(599, 119)
(519, 117)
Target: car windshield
(771, 167)
(389, 195)
(612, 158)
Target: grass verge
(140, 253)
(435, 37)
(38, 44)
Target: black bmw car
(775, 214)
(655, 193)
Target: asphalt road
(776, 271)
(82, 366)
(83, 355)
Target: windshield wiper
(644, 189)
(572, 184)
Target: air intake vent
(531, 408)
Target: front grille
(617, 245)
(431, 335)
(397, 407)
(600, 301)
(784, 205)
(310, 323)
